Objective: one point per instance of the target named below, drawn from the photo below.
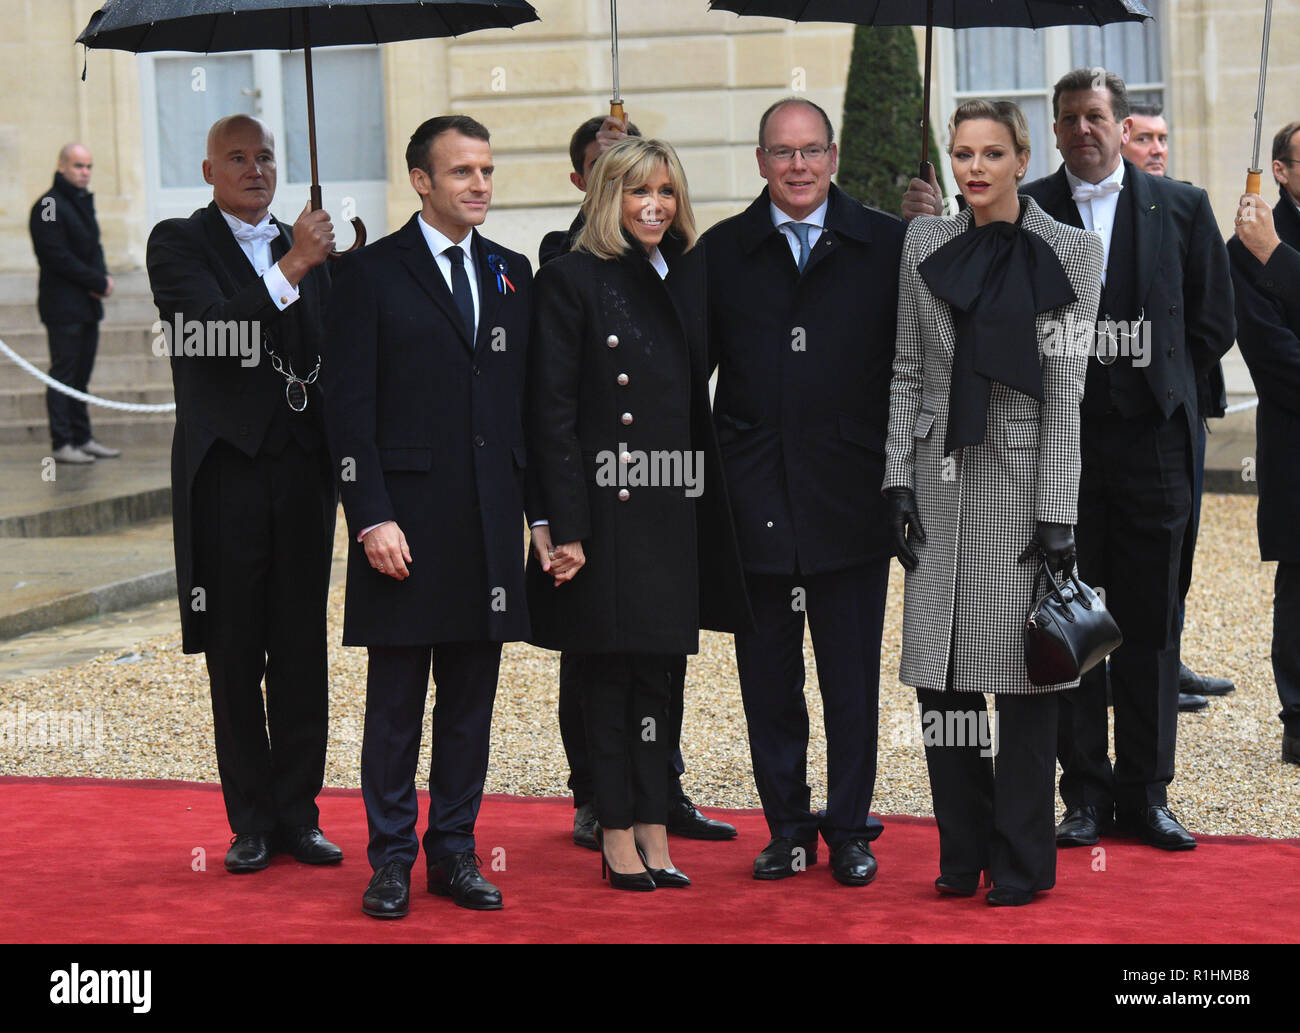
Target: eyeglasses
(1288, 161)
(811, 154)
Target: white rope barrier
(1242, 406)
(81, 396)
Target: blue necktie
(460, 291)
(801, 231)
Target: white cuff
(282, 292)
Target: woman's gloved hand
(1055, 542)
(904, 524)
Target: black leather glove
(1055, 542)
(904, 524)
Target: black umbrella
(948, 14)
(219, 26)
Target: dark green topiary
(881, 135)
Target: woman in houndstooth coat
(982, 473)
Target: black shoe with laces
(389, 892)
(457, 876)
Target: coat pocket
(924, 421)
(404, 460)
(860, 432)
(1022, 433)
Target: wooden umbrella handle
(616, 111)
(358, 227)
(1253, 180)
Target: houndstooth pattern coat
(980, 506)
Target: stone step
(118, 430)
(28, 405)
(20, 287)
(129, 308)
(114, 339)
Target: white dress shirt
(1098, 214)
(438, 243)
(258, 252)
(816, 219)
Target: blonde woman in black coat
(622, 452)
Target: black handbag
(1068, 630)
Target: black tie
(460, 288)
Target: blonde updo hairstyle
(1003, 112)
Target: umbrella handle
(358, 227)
(1253, 180)
(616, 111)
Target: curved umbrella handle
(359, 228)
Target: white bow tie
(1088, 191)
(247, 234)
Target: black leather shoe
(958, 885)
(249, 852)
(1008, 896)
(784, 857)
(457, 876)
(1157, 826)
(1291, 748)
(584, 826)
(640, 882)
(665, 878)
(1187, 702)
(309, 845)
(685, 819)
(1198, 685)
(1081, 826)
(389, 892)
(853, 863)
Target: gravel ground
(146, 713)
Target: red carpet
(90, 861)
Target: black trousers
(845, 612)
(1135, 500)
(1193, 523)
(397, 681)
(72, 358)
(1286, 643)
(994, 814)
(263, 535)
(627, 713)
(573, 733)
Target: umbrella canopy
(948, 14)
(219, 26)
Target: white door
(183, 94)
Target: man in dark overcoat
(71, 289)
(253, 500)
(1165, 319)
(1266, 279)
(803, 290)
(427, 338)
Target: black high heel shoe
(960, 885)
(665, 878)
(642, 881)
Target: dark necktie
(460, 288)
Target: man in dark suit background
(253, 501)
(1139, 416)
(586, 145)
(73, 284)
(426, 349)
(1286, 171)
(1147, 147)
(1266, 281)
(803, 290)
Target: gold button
(612, 341)
(627, 418)
(284, 301)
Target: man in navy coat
(803, 291)
(425, 355)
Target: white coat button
(612, 341)
(624, 494)
(626, 418)
(625, 457)
(622, 380)
(769, 523)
